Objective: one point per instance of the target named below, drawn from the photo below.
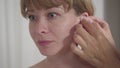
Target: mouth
(44, 43)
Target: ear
(85, 14)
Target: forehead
(44, 4)
(56, 9)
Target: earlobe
(85, 14)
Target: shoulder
(36, 66)
(39, 65)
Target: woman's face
(52, 29)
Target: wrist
(113, 64)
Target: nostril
(43, 32)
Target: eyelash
(52, 15)
(32, 17)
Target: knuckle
(100, 37)
(106, 24)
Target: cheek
(64, 29)
(68, 26)
(31, 31)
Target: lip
(44, 43)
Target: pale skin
(65, 54)
(97, 44)
(59, 54)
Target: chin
(49, 52)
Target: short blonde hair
(79, 6)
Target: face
(52, 29)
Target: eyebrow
(30, 10)
(60, 7)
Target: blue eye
(52, 15)
(31, 17)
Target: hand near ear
(97, 44)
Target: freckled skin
(56, 29)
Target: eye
(52, 15)
(32, 17)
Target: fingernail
(89, 20)
(82, 17)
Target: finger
(89, 49)
(79, 40)
(83, 33)
(97, 20)
(100, 35)
(78, 52)
(91, 60)
(101, 22)
(88, 25)
(83, 38)
(105, 28)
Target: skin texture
(97, 44)
(65, 30)
(52, 25)
(55, 25)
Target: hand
(96, 41)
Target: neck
(65, 60)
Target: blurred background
(17, 49)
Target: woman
(69, 35)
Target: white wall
(10, 40)
(17, 49)
(99, 8)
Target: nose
(41, 27)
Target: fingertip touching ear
(85, 14)
(81, 16)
